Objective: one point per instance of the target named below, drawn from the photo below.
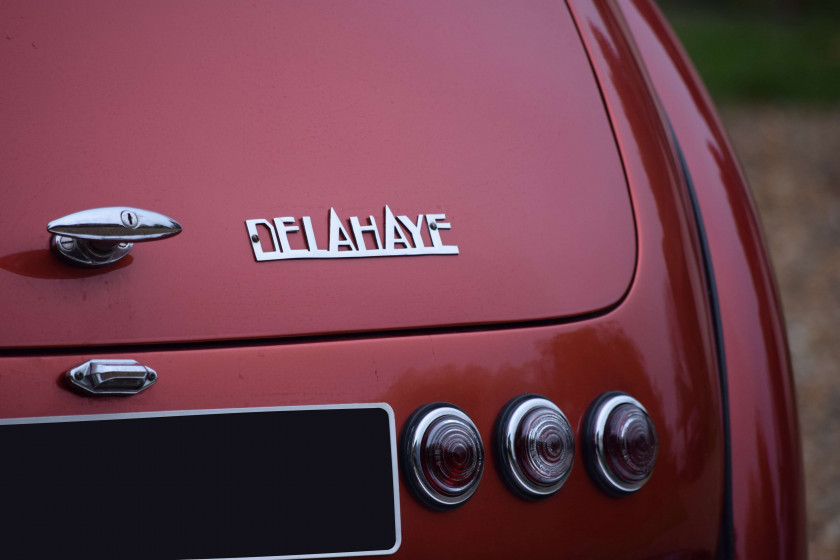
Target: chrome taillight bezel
(595, 455)
(505, 446)
(410, 455)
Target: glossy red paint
(215, 113)
(767, 473)
(657, 345)
(571, 364)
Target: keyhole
(129, 219)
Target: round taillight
(535, 446)
(442, 455)
(620, 445)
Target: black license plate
(240, 483)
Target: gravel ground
(792, 161)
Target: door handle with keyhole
(102, 236)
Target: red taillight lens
(630, 443)
(535, 446)
(620, 445)
(442, 454)
(451, 455)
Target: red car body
(606, 242)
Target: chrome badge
(402, 237)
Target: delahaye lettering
(402, 236)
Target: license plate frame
(78, 470)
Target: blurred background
(773, 68)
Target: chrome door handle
(103, 236)
(111, 377)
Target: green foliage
(745, 57)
